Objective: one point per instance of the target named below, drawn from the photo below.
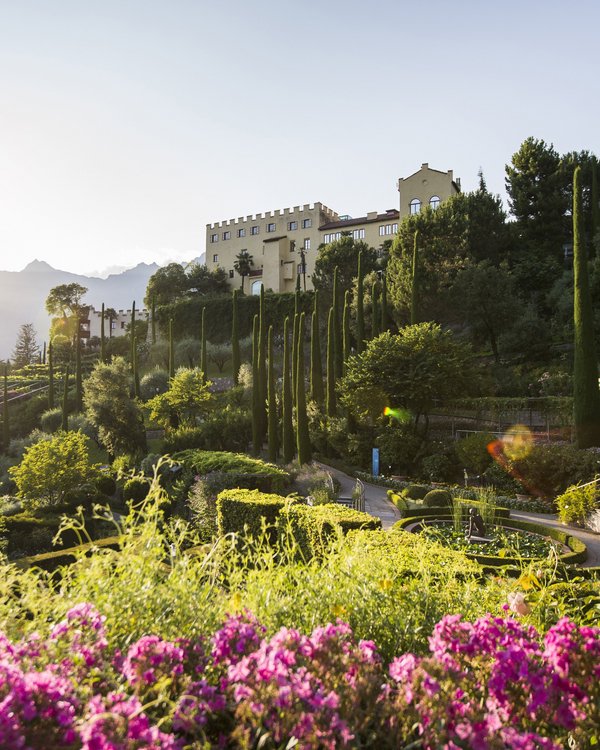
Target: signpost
(375, 471)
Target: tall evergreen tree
(295, 351)
(50, 376)
(273, 427)
(360, 309)
(153, 319)
(384, 311)
(65, 402)
(132, 338)
(26, 349)
(288, 441)
(262, 363)
(171, 351)
(375, 319)
(331, 406)
(338, 347)
(414, 294)
(346, 328)
(102, 336)
(203, 362)
(78, 377)
(302, 433)
(586, 396)
(257, 435)
(235, 339)
(5, 417)
(595, 197)
(316, 366)
(134, 357)
(43, 361)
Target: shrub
(202, 501)
(437, 468)
(52, 467)
(154, 383)
(313, 528)
(415, 491)
(548, 470)
(399, 501)
(575, 505)
(499, 477)
(106, 484)
(472, 451)
(136, 489)
(229, 429)
(400, 448)
(85, 495)
(438, 499)
(266, 476)
(51, 420)
(248, 511)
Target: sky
(128, 125)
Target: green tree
(360, 312)
(316, 367)
(166, 284)
(262, 365)
(111, 315)
(203, 358)
(171, 350)
(343, 254)
(346, 328)
(5, 415)
(414, 289)
(102, 335)
(108, 406)
(256, 418)
(273, 427)
(384, 309)
(65, 402)
(288, 443)
(338, 347)
(50, 468)
(188, 399)
(235, 339)
(409, 370)
(375, 314)
(26, 350)
(586, 397)
(302, 433)
(50, 376)
(78, 378)
(65, 300)
(331, 405)
(202, 280)
(242, 265)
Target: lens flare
(517, 442)
(402, 415)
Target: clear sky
(127, 125)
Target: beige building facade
(278, 241)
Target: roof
(390, 214)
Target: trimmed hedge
(438, 499)
(242, 511)
(266, 477)
(313, 527)
(52, 560)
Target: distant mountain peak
(38, 266)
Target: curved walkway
(378, 504)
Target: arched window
(256, 285)
(415, 206)
(434, 201)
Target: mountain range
(23, 296)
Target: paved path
(378, 504)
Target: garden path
(378, 504)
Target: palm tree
(243, 261)
(110, 314)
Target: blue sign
(375, 471)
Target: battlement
(120, 313)
(288, 213)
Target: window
(241, 232)
(306, 223)
(394, 229)
(113, 325)
(434, 201)
(271, 227)
(254, 230)
(215, 258)
(226, 235)
(292, 246)
(307, 244)
(387, 229)
(231, 273)
(415, 206)
(255, 288)
(214, 237)
(358, 234)
(122, 325)
(292, 226)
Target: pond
(505, 542)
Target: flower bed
(492, 683)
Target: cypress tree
(586, 397)
(153, 323)
(414, 291)
(203, 362)
(331, 408)
(360, 310)
(50, 376)
(297, 282)
(132, 338)
(262, 364)
(374, 311)
(43, 362)
(273, 427)
(302, 434)
(316, 367)
(595, 203)
(78, 378)
(5, 422)
(65, 402)
(235, 339)
(171, 351)
(346, 328)
(288, 442)
(294, 354)
(338, 347)
(384, 310)
(102, 337)
(256, 422)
